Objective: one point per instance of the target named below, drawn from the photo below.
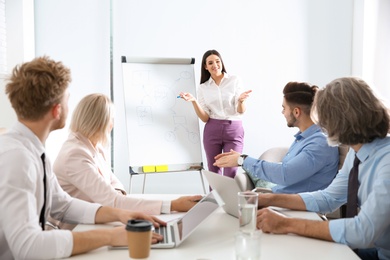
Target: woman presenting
(220, 104)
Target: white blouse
(220, 102)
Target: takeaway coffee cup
(139, 238)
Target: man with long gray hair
(351, 114)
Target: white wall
(266, 43)
(8, 116)
(376, 42)
(20, 48)
(78, 34)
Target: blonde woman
(82, 168)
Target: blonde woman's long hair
(93, 117)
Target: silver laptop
(227, 189)
(177, 230)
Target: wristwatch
(240, 160)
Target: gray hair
(350, 113)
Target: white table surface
(214, 240)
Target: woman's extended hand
(244, 96)
(187, 96)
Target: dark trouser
(221, 136)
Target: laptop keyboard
(162, 231)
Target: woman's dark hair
(205, 74)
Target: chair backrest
(343, 150)
(341, 212)
(274, 154)
(243, 181)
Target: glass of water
(248, 245)
(247, 210)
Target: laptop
(177, 230)
(227, 189)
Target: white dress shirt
(220, 102)
(21, 193)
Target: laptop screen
(197, 214)
(227, 188)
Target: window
(3, 39)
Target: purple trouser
(221, 136)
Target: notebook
(177, 230)
(227, 188)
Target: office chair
(340, 212)
(247, 182)
(276, 154)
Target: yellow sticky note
(161, 168)
(149, 168)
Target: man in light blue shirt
(310, 164)
(351, 115)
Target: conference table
(214, 240)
